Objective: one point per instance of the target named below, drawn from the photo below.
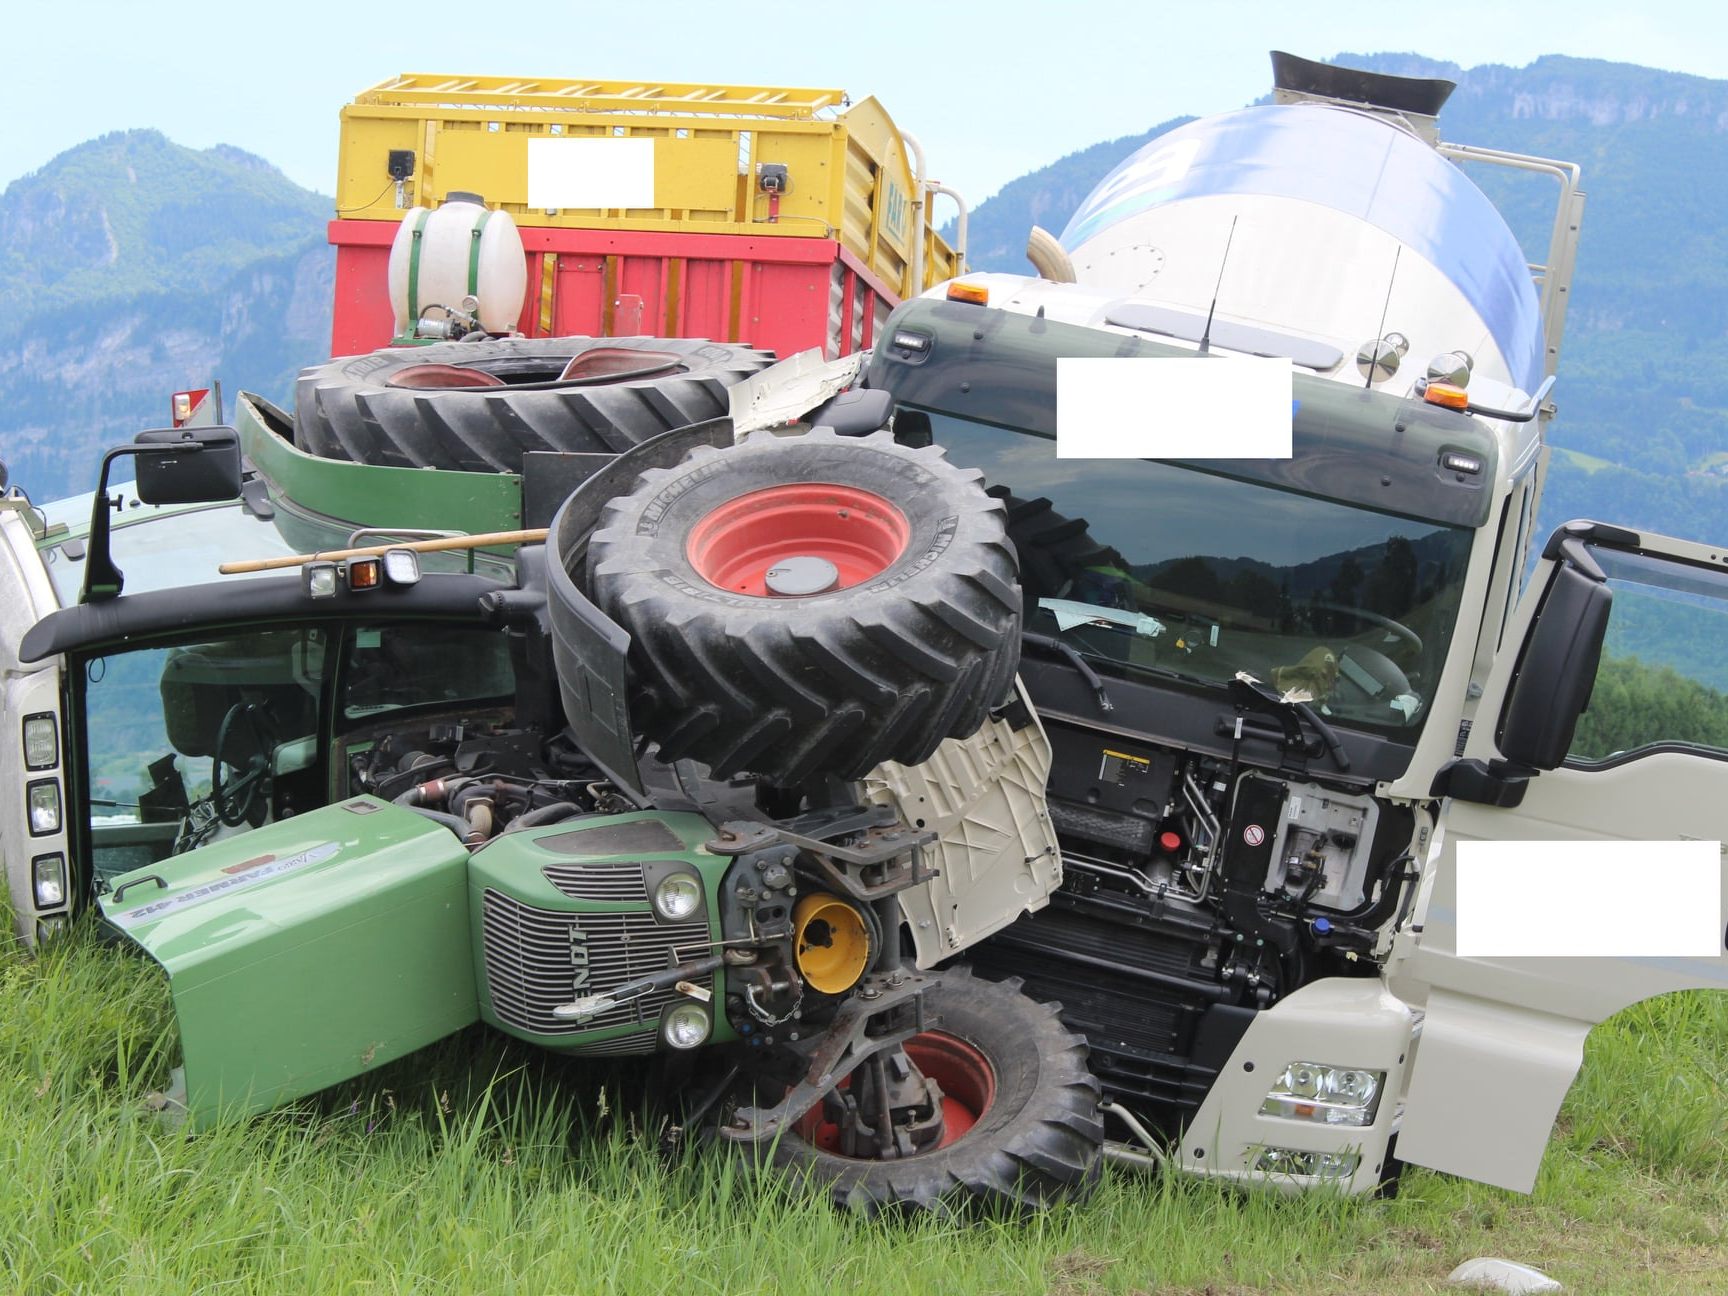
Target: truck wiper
(1068, 653)
(1251, 695)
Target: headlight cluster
(1325, 1095)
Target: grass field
(479, 1166)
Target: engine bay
(1197, 891)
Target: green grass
(482, 1166)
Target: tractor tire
(1037, 1135)
(913, 640)
(1053, 550)
(480, 406)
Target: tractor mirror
(188, 466)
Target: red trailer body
(784, 294)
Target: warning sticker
(1118, 767)
(1253, 834)
(225, 885)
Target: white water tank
(460, 249)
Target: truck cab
(1288, 695)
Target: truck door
(1597, 743)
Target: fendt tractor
(949, 809)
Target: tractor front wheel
(1020, 1121)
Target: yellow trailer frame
(849, 173)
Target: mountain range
(134, 267)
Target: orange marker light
(365, 573)
(1445, 394)
(977, 294)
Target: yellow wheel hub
(832, 943)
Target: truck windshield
(1152, 567)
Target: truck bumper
(1335, 1023)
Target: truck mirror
(1557, 670)
(188, 466)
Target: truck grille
(535, 956)
(611, 881)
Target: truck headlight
(48, 873)
(684, 1025)
(1294, 1161)
(1325, 1095)
(677, 896)
(43, 798)
(41, 742)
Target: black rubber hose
(553, 813)
(458, 826)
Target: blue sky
(992, 90)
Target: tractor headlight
(1325, 1095)
(677, 896)
(48, 873)
(685, 1025)
(51, 928)
(43, 798)
(320, 578)
(41, 742)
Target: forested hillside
(132, 267)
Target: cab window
(187, 742)
(1663, 678)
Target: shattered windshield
(1151, 567)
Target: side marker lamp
(365, 573)
(41, 742)
(43, 798)
(320, 578)
(1446, 395)
(961, 291)
(1456, 461)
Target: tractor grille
(638, 1042)
(612, 881)
(534, 958)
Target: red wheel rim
(736, 546)
(968, 1089)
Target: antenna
(1385, 309)
(1206, 333)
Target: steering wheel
(234, 796)
(1368, 679)
(1395, 628)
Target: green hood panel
(306, 952)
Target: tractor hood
(306, 952)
